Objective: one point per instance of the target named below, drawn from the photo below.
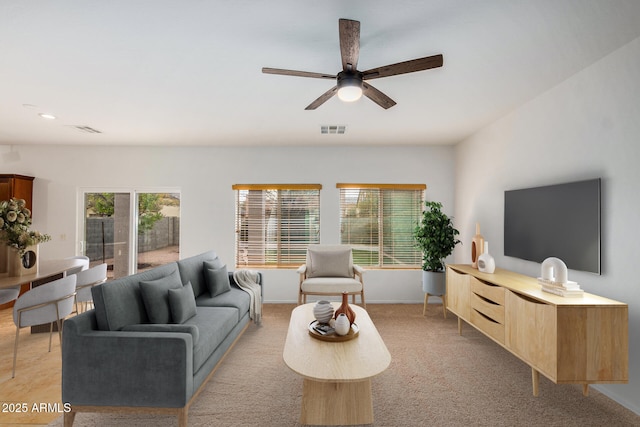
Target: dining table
(46, 271)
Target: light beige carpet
(436, 378)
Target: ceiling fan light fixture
(349, 87)
(350, 93)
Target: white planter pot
(434, 283)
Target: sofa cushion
(235, 298)
(159, 327)
(155, 295)
(191, 270)
(182, 303)
(331, 285)
(214, 324)
(119, 302)
(335, 262)
(217, 280)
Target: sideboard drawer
(490, 327)
(491, 292)
(490, 309)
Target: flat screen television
(561, 221)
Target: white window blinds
(275, 223)
(378, 220)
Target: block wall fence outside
(165, 232)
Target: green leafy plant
(149, 206)
(435, 236)
(15, 220)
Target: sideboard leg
(535, 381)
(585, 389)
(459, 326)
(444, 305)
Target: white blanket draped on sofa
(247, 280)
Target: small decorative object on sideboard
(344, 308)
(323, 311)
(15, 220)
(555, 279)
(486, 263)
(477, 246)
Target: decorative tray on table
(324, 332)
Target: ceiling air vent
(333, 129)
(87, 129)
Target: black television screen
(561, 221)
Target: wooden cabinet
(569, 340)
(458, 295)
(20, 187)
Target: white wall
(205, 176)
(587, 127)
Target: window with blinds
(275, 223)
(378, 220)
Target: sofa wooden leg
(69, 417)
(183, 417)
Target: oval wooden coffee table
(336, 375)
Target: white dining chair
(85, 264)
(85, 280)
(8, 295)
(47, 303)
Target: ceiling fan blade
(280, 71)
(323, 98)
(349, 43)
(376, 96)
(410, 66)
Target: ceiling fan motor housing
(349, 78)
(349, 85)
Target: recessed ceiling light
(47, 116)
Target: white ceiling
(159, 72)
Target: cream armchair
(329, 270)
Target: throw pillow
(182, 303)
(213, 263)
(217, 280)
(155, 296)
(330, 263)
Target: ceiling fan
(350, 83)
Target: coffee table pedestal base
(332, 403)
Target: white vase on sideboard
(486, 263)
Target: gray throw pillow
(155, 295)
(217, 280)
(182, 303)
(213, 263)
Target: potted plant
(435, 236)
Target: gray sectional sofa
(153, 339)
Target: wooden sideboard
(569, 340)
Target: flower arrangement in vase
(15, 221)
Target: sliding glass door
(131, 231)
